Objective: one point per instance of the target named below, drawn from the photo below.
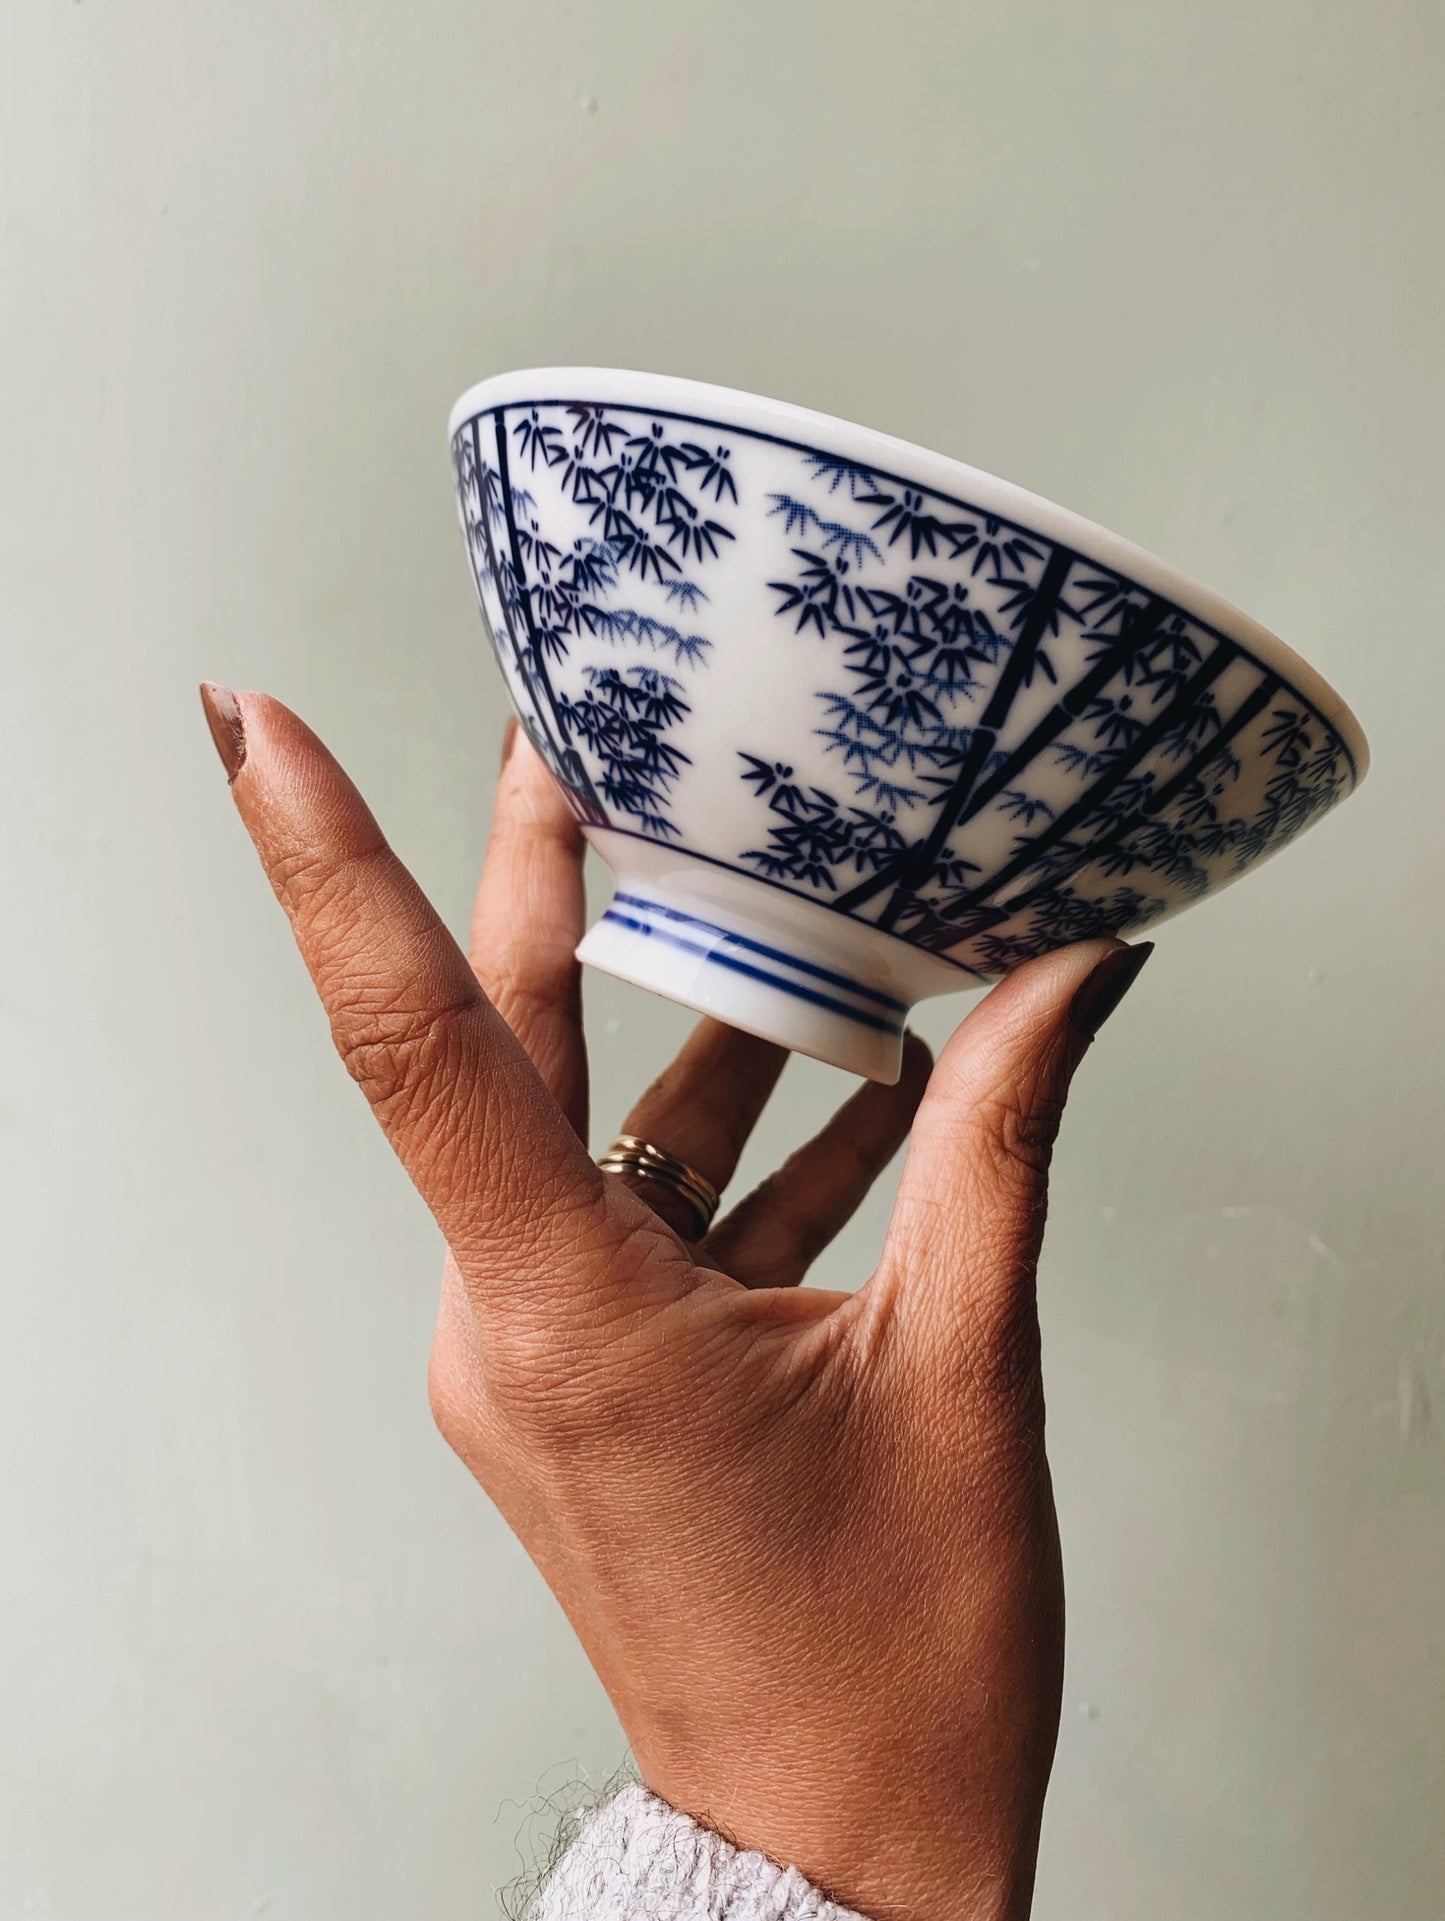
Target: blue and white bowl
(853, 723)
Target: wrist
(875, 1837)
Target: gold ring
(629, 1155)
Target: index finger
(512, 1188)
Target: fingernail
(223, 717)
(1110, 981)
(509, 738)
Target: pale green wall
(263, 1649)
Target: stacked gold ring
(629, 1155)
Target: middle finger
(528, 920)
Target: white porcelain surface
(853, 723)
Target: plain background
(264, 1650)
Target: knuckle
(456, 1392)
(446, 1399)
(527, 1249)
(711, 1102)
(399, 1056)
(1019, 1132)
(713, 1081)
(597, 1383)
(527, 995)
(560, 1413)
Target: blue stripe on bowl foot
(804, 980)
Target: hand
(807, 1538)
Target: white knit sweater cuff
(637, 1859)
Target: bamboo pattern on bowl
(1023, 747)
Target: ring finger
(701, 1109)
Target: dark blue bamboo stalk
(517, 660)
(1017, 671)
(1246, 712)
(1062, 714)
(567, 758)
(1089, 802)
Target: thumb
(969, 1219)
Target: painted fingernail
(223, 717)
(509, 738)
(1110, 981)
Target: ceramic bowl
(853, 723)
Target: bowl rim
(804, 428)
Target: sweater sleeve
(637, 1859)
